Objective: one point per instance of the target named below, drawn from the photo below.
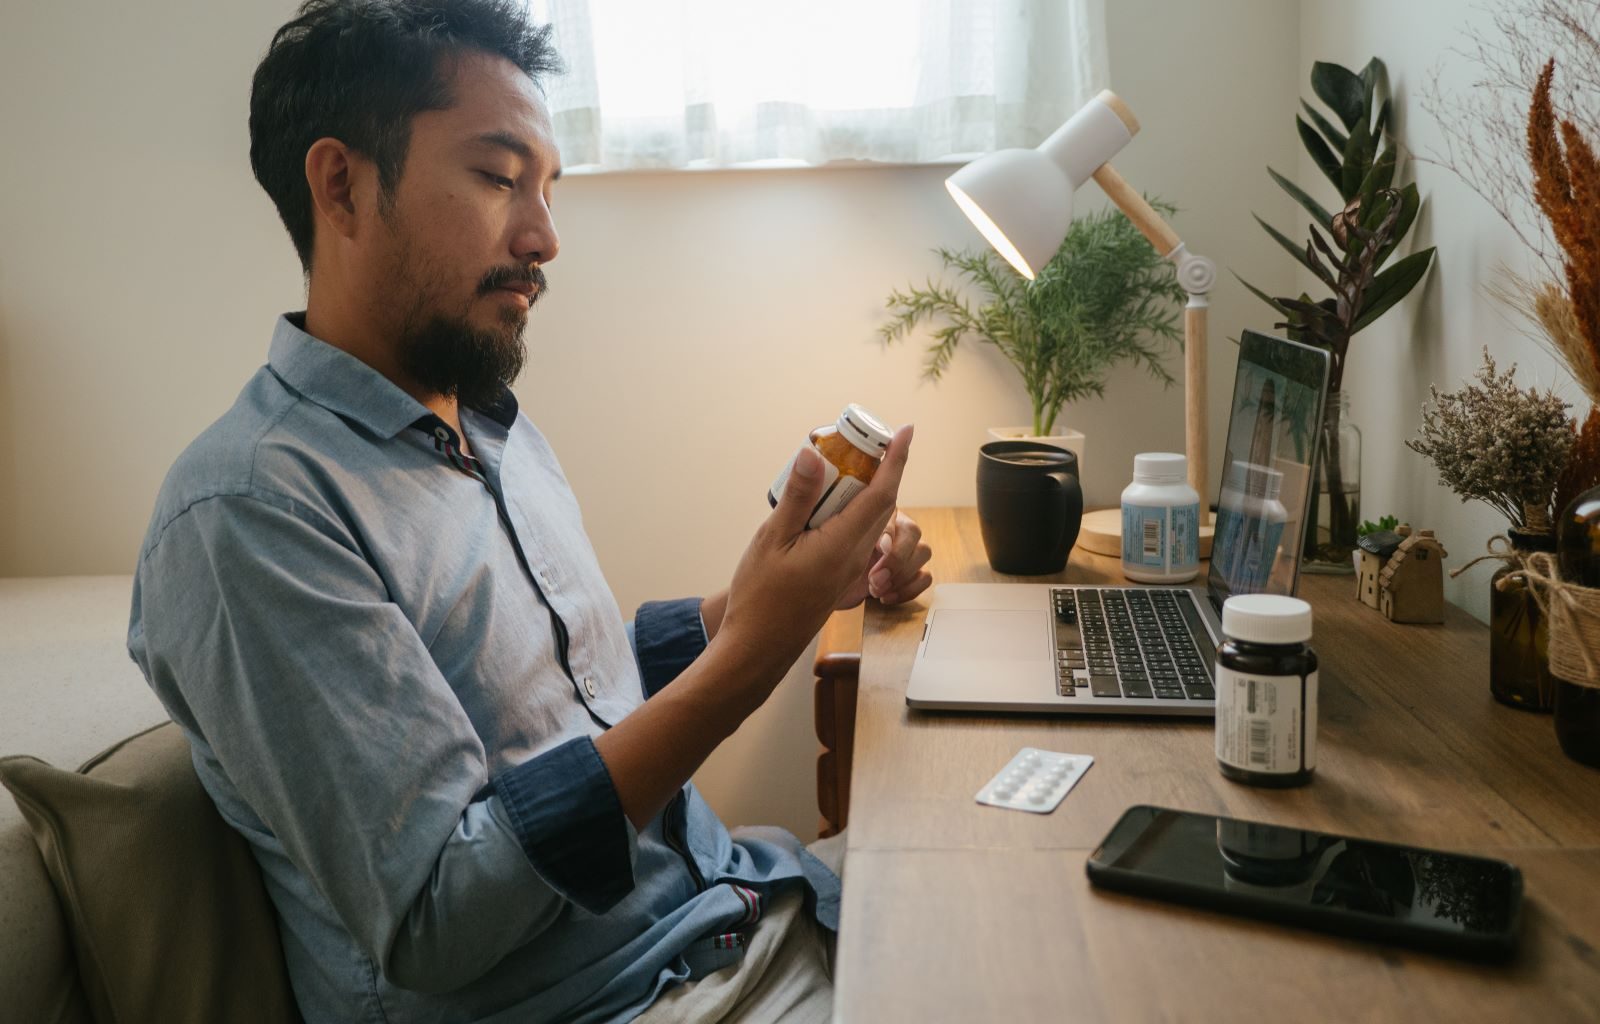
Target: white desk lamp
(1021, 201)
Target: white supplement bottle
(1160, 521)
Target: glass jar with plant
(1496, 443)
(1105, 298)
(1348, 252)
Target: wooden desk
(955, 911)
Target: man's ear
(336, 174)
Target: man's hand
(788, 582)
(894, 574)
(791, 579)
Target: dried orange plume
(1551, 189)
(1583, 465)
(1583, 171)
(1566, 185)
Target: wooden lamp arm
(1196, 274)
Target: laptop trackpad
(977, 634)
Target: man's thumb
(801, 489)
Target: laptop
(1135, 649)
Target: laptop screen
(1264, 506)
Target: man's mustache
(506, 277)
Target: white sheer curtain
(728, 83)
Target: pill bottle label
(1184, 536)
(837, 490)
(1162, 537)
(1266, 723)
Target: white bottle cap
(864, 430)
(1266, 619)
(1160, 468)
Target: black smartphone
(1443, 902)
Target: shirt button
(588, 685)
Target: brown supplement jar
(1266, 691)
(852, 448)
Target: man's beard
(446, 355)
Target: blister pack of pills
(1035, 780)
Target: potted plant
(1106, 297)
(1347, 251)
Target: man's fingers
(893, 466)
(800, 493)
(877, 502)
(896, 577)
(907, 536)
(906, 591)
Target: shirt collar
(337, 380)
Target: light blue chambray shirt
(391, 661)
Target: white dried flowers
(1499, 444)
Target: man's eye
(497, 180)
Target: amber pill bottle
(1266, 691)
(852, 448)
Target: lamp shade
(1020, 201)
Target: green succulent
(1368, 526)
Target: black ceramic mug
(1030, 506)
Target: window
(739, 83)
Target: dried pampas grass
(1549, 314)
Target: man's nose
(537, 242)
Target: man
(367, 597)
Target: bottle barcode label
(1144, 536)
(1266, 723)
(1260, 739)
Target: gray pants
(786, 974)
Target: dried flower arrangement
(1499, 444)
(1526, 159)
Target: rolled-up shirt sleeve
(273, 638)
(667, 637)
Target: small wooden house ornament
(1373, 552)
(1401, 574)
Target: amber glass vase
(1519, 636)
(1578, 707)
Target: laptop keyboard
(1133, 644)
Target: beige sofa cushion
(164, 904)
(37, 975)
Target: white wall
(1438, 334)
(696, 327)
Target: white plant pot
(1071, 440)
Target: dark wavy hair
(359, 71)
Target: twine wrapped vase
(1519, 632)
(1573, 613)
